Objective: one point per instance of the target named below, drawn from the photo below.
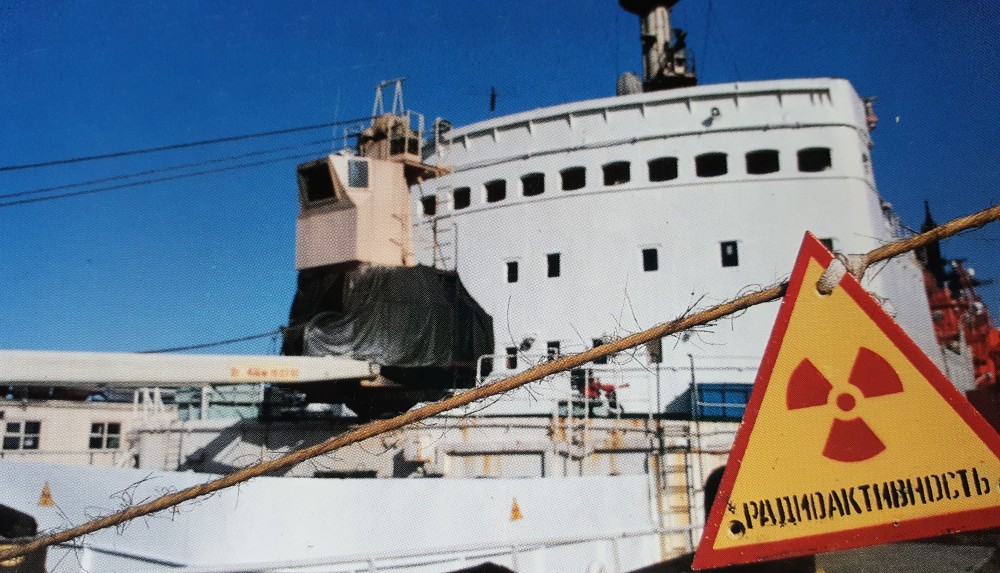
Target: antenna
(397, 98)
(666, 64)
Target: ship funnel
(666, 64)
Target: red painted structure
(959, 316)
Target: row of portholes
(713, 164)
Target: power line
(183, 145)
(156, 180)
(274, 332)
(162, 170)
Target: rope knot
(842, 264)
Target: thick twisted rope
(375, 428)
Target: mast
(665, 61)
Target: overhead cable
(183, 145)
(274, 332)
(155, 180)
(163, 169)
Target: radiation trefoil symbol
(850, 440)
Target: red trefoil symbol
(850, 440)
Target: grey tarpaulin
(393, 316)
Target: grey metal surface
(912, 558)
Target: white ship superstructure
(643, 207)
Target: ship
(432, 259)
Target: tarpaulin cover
(393, 316)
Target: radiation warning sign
(852, 437)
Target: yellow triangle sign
(851, 437)
(45, 500)
(515, 511)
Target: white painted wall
(272, 519)
(599, 231)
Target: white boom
(127, 370)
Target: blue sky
(211, 257)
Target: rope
(774, 292)
(841, 265)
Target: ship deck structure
(434, 258)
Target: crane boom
(129, 370)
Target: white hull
(566, 524)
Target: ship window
(553, 264)
(429, 205)
(533, 184)
(315, 181)
(730, 254)
(461, 198)
(663, 169)
(650, 260)
(711, 165)
(573, 178)
(828, 243)
(21, 435)
(357, 173)
(762, 161)
(578, 379)
(598, 342)
(512, 271)
(396, 145)
(496, 191)
(105, 436)
(814, 159)
(617, 173)
(511, 358)
(552, 349)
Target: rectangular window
(461, 198)
(396, 145)
(573, 178)
(578, 379)
(662, 169)
(357, 173)
(553, 265)
(730, 254)
(105, 436)
(512, 271)
(597, 342)
(429, 205)
(511, 358)
(650, 260)
(617, 173)
(762, 161)
(533, 184)
(315, 181)
(21, 435)
(814, 159)
(496, 191)
(711, 165)
(552, 349)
